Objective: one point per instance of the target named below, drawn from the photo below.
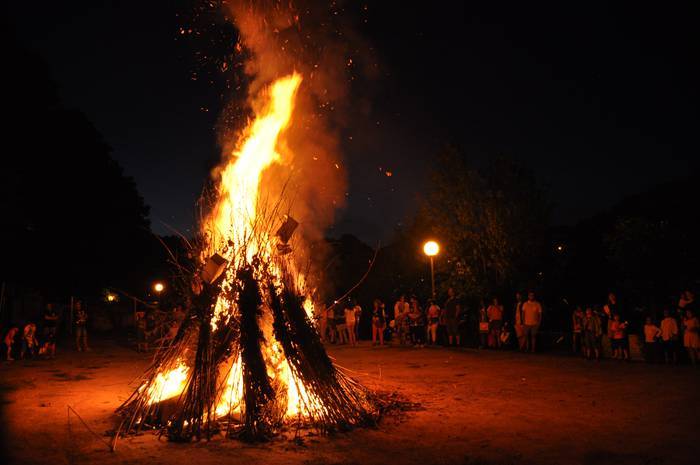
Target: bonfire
(248, 361)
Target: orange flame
(230, 230)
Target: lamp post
(158, 287)
(431, 248)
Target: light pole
(431, 248)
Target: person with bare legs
(81, 318)
(532, 317)
(592, 333)
(350, 323)
(10, 341)
(519, 322)
(378, 322)
(691, 335)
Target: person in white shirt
(669, 336)
(401, 310)
(532, 318)
(651, 341)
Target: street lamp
(431, 248)
(158, 287)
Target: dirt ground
(477, 408)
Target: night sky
(599, 101)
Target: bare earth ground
(479, 408)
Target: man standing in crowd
(81, 318)
(532, 317)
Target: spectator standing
(433, 321)
(416, 323)
(50, 328)
(483, 326)
(495, 315)
(532, 317)
(29, 342)
(669, 336)
(378, 322)
(592, 333)
(620, 345)
(330, 318)
(349, 314)
(451, 314)
(518, 319)
(609, 309)
(81, 319)
(401, 323)
(577, 329)
(10, 341)
(691, 335)
(652, 333)
(358, 316)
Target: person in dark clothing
(451, 313)
(378, 322)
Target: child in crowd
(652, 333)
(10, 341)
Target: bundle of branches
(244, 342)
(333, 400)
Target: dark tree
(72, 222)
(491, 221)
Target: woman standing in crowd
(416, 323)
(378, 322)
(350, 317)
(340, 324)
(592, 332)
(495, 316)
(433, 321)
(691, 335)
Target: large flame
(230, 230)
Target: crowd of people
(595, 330)
(411, 323)
(24, 342)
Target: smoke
(318, 40)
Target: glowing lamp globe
(431, 248)
(158, 287)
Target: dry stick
(71, 409)
(371, 264)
